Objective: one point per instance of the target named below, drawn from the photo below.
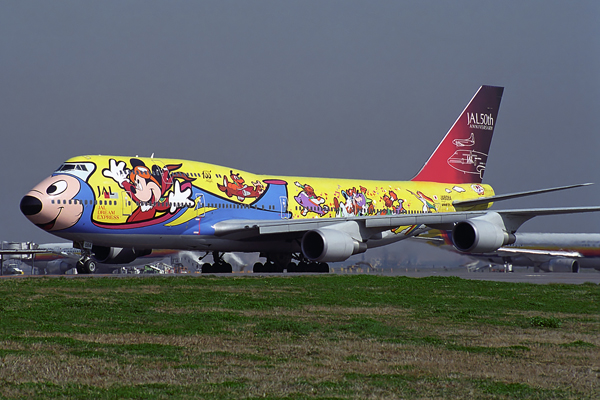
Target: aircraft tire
(79, 267)
(89, 267)
(323, 268)
(225, 268)
(258, 268)
(207, 268)
(302, 267)
(292, 268)
(273, 268)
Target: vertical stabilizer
(462, 154)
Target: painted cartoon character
(389, 201)
(59, 209)
(369, 206)
(238, 188)
(149, 188)
(309, 201)
(355, 203)
(428, 203)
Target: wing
(474, 231)
(490, 199)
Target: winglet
(462, 155)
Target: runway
(517, 276)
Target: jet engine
(560, 265)
(325, 245)
(117, 255)
(479, 236)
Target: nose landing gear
(86, 265)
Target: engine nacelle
(479, 236)
(330, 245)
(560, 265)
(117, 255)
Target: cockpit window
(71, 167)
(66, 167)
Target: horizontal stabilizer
(490, 199)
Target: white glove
(177, 198)
(116, 171)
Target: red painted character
(148, 188)
(238, 188)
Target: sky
(348, 89)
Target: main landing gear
(278, 262)
(218, 266)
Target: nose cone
(30, 205)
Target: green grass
(208, 337)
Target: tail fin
(462, 154)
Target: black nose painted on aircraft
(30, 205)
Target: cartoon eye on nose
(56, 188)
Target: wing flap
(554, 253)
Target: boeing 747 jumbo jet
(118, 208)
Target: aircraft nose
(30, 205)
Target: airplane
(548, 252)
(117, 208)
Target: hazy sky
(318, 88)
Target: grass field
(298, 337)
